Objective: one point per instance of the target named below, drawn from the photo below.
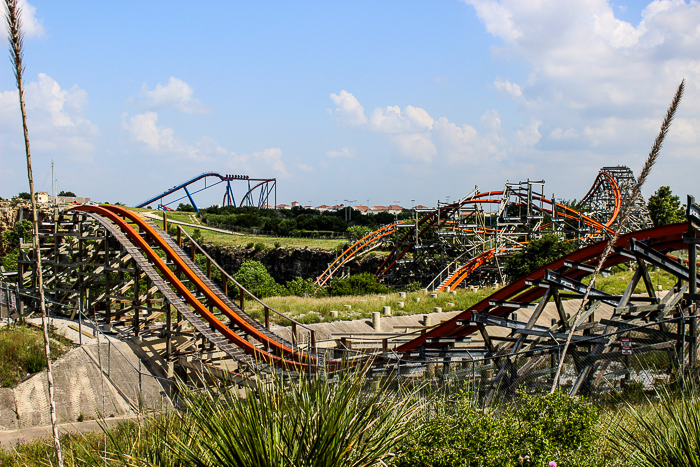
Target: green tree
(300, 287)
(10, 238)
(254, 277)
(537, 253)
(185, 207)
(66, 193)
(24, 195)
(356, 232)
(665, 207)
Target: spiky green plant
(662, 432)
(308, 422)
(303, 422)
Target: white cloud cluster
(349, 110)
(587, 61)
(55, 119)
(176, 94)
(420, 138)
(260, 162)
(162, 141)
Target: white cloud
(464, 144)
(506, 87)
(31, 25)
(261, 162)
(161, 140)
(349, 111)
(392, 120)
(55, 118)
(344, 152)
(529, 134)
(176, 94)
(303, 167)
(497, 18)
(561, 134)
(584, 58)
(417, 147)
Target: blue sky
(380, 100)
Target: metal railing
(243, 292)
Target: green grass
(616, 283)
(22, 352)
(362, 306)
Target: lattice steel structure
(609, 195)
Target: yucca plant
(305, 422)
(662, 432)
(301, 422)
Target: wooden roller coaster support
(243, 293)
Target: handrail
(243, 289)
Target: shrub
(301, 287)
(197, 235)
(544, 427)
(253, 276)
(249, 245)
(537, 253)
(358, 284)
(259, 247)
(278, 244)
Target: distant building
(362, 209)
(420, 207)
(69, 200)
(394, 209)
(42, 197)
(283, 206)
(295, 204)
(323, 208)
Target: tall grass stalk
(626, 210)
(14, 29)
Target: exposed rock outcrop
(284, 264)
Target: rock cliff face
(284, 264)
(8, 217)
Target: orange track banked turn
(290, 359)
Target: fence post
(267, 318)
(240, 289)
(179, 236)
(294, 333)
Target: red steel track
(664, 238)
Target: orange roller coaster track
(274, 351)
(408, 237)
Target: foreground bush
(532, 430)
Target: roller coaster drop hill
(123, 273)
(469, 239)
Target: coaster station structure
(124, 274)
(464, 241)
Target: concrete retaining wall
(80, 391)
